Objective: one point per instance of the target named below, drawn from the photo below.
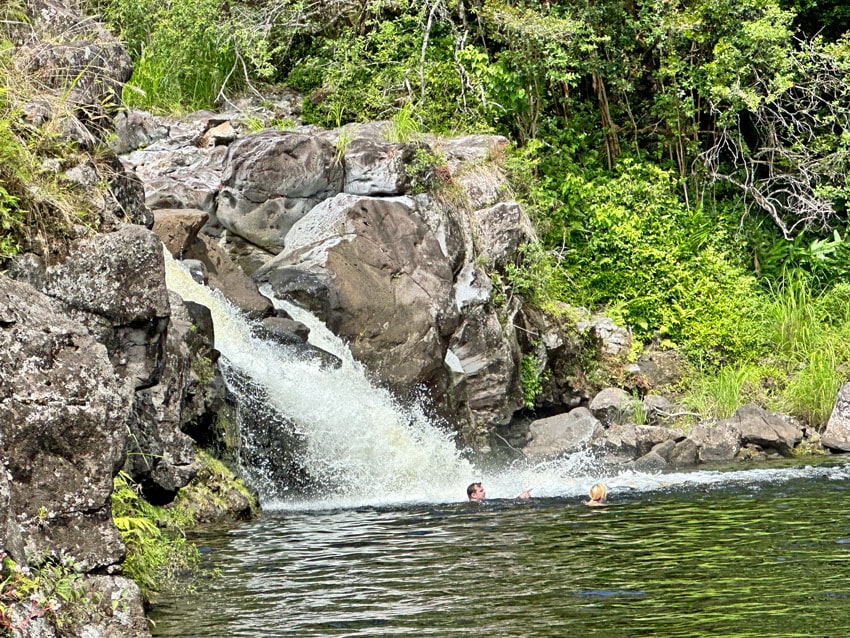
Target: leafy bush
(629, 244)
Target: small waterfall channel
(364, 449)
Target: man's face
(478, 494)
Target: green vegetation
(684, 163)
(157, 549)
(52, 589)
(37, 203)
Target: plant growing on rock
(53, 590)
(156, 548)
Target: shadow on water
(759, 558)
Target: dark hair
(471, 489)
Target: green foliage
(811, 391)
(718, 394)
(186, 52)
(531, 376)
(427, 171)
(661, 268)
(156, 548)
(54, 589)
(405, 127)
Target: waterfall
(357, 441)
(365, 449)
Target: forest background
(684, 162)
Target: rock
(556, 346)
(483, 185)
(224, 275)
(657, 368)
(374, 273)
(374, 167)
(652, 461)
(612, 405)
(649, 436)
(501, 230)
(78, 59)
(135, 129)
(562, 434)
(197, 270)
(766, 429)
(836, 436)
(178, 228)
(249, 257)
(115, 609)
(619, 443)
(685, 453)
(470, 149)
(161, 458)
(486, 367)
(472, 288)
(614, 340)
(716, 443)
(115, 283)
(282, 330)
(270, 180)
(168, 155)
(63, 416)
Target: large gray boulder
(376, 167)
(612, 405)
(63, 415)
(377, 276)
(716, 443)
(271, 180)
(562, 434)
(114, 283)
(766, 429)
(836, 436)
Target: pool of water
(759, 554)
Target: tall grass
(38, 205)
(794, 325)
(718, 395)
(811, 393)
(187, 53)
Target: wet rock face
(62, 410)
(386, 286)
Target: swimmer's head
(598, 492)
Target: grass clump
(39, 206)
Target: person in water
(598, 495)
(475, 492)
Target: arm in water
(475, 492)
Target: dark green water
(753, 556)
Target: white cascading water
(368, 450)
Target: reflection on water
(765, 557)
